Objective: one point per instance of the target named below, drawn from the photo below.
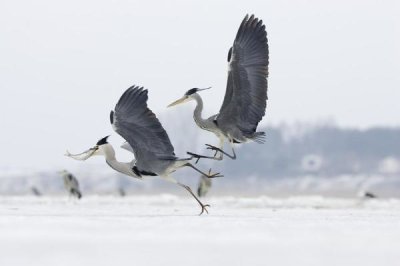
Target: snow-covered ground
(166, 230)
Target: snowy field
(166, 230)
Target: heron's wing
(75, 183)
(246, 92)
(139, 126)
(126, 146)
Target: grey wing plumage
(70, 181)
(139, 126)
(246, 93)
(127, 147)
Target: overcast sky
(64, 64)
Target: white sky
(64, 64)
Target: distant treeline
(323, 150)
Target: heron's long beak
(84, 155)
(181, 100)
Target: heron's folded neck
(108, 152)
(124, 168)
(198, 110)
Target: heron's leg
(198, 156)
(233, 157)
(221, 146)
(201, 172)
(219, 158)
(203, 206)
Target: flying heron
(246, 91)
(146, 138)
(71, 184)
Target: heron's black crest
(102, 141)
(191, 91)
(112, 117)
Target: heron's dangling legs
(219, 158)
(194, 155)
(211, 147)
(203, 206)
(198, 156)
(201, 172)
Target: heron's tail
(259, 137)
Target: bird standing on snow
(204, 185)
(71, 184)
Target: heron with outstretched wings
(146, 138)
(246, 91)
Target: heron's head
(188, 96)
(100, 146)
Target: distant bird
(121, 192)
(246, 91)
(369, 195)
(364, 188)
(204, 185)
(71, 184)
(146, 138)
(36, 191)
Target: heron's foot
(216, 149)
(197, 156)
(213, 148)
(213, 175)
(204, 208)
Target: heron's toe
(214, 175)
(204, 209)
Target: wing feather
(246, 92)
(139, 126)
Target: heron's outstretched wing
(139, 126)
(246, 92)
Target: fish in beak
(90, 152)
(84, 155)
(181, 100)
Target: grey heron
(121, 192)
(369, 195)
(146, 138)
(71, 184)
(35, 191)
(246, 91)
(204, 185)
(364, 188)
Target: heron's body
(246, 92)
(140, 169)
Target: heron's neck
(108, 152)
(198, 110)
(124, 168)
